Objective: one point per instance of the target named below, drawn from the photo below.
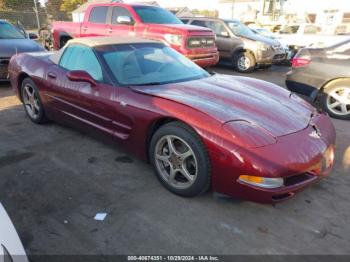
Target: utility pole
(36, 13)
(233, 8)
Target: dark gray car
(12, 41)
(323, 74)
(239, 45)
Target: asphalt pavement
(54, 180)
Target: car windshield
(288, 30)
(265, 32)
(8, 31)
(240, 29)
(148, 64)
(156, 15)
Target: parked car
(323, 74)
(241, 46)
(13, 41)
(11, 248)
(197, 129)
(267, 33)
(297, 36)
(119, 19)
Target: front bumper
(270, 57)
(4, 62)
(202, 56)
(294, 158)
(204, 60)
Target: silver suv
(239, 45)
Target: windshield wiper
(149, 84)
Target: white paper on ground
(100, 216)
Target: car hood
(9, 47)
(229, 98)
(174, 28)
(263, 39)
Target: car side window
(98, 15)
(218, 28)
(120, 11)
(82, 58)
(198, 23)
(185, 21)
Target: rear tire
(335, 99)
(244, 62)
(32, 102)
(184, 166)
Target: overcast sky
(192, 4)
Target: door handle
(110, 30)
(52, 75)
(85, 28)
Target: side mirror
(124, 20)
(81, 76)
(33, 36)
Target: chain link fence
(26, 18)
(28, 14)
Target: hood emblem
(316, 133)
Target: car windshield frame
(194, 72)
(144, 13)
(245, 31)
(12, 29)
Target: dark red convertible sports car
(240, 136)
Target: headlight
(199, 42)
(264, 182)
(263, 47)
(174, 39)
(249, 135)
(194, 43)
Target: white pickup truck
(297, 36)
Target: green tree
(53, 9)
(206, 13)
(2, 4)
(20, 5)
(70, 5)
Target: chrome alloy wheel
(31, 101)
(338, 101)
(243, 63)
(176, 162)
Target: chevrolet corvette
(239, 136)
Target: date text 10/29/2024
(173, 258)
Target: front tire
(32, 102)
(335, 99)
(180, 160)
(244, 62)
